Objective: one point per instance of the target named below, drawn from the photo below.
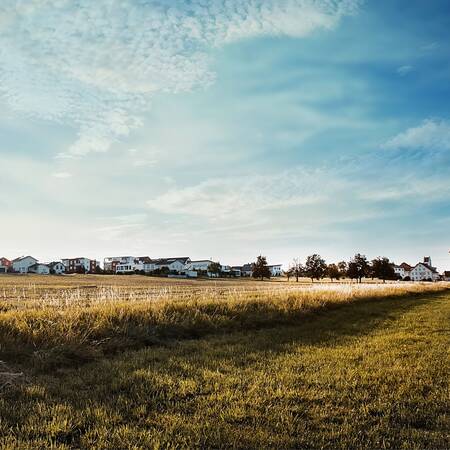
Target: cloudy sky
(225, 128)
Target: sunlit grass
(323, 366)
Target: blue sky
(225, 129)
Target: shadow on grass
(149, 380)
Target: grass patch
(49, 338)
(368, 374)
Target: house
(110, 263)
(236, 270)
(22, 264)
(145, 263)
(5, 265)
(80, 265)
(39, 268)
(247, 270)
(424, 271)
(446, 275)
(403, 270)
(176, 265)
(201, 265)
(57, 268)
(275, 270)
(142, 263)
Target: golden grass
(51, 330)
(317, 368)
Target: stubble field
(139, 362)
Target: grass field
(229, 364)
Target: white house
(403, 270)
(142, 263)
(423, 272)
(57, 268)
(22, 264)
(177, 265)
(39, 268)
(111, 262)
(199, 265)
(275, 270)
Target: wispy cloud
(404, 70)
(431, 134)
(238, 197)
(95, 65)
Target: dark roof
(447, 273)
(37, 264)
(144, 259)
(23, 257)
(162, 261)
(405, 266)
(53, 264)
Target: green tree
(383, 269)
(315, 267)
(260, 268)
(343, 268)
(333, 272)
(358, 267)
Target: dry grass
(322, 367)
(60, 321)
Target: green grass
(367, 374)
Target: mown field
(132, 362)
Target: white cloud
(404, 70)
(95, 65)
(431, 134)
(244, 196)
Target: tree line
(316, 268)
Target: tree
(333, 272)
(215, 268)
(343, 268)
(297, 268)
(358, 267)
(260, 268)
(315, 267)
(383, 269)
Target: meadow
(138, 362)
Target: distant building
(446, 275)
(176, 265)
(80, 265)
(5, 265)
(236, 270)
(424, 271)
(275, 270)
(403, 270)
(22, 264)
(110, 263)
(57, 268)
(39, 268)
(247, 270)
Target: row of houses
(182, 266)
(176, 266)
(422, 271)
(29, 264)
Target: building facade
(22, 264)
(80, 265)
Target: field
(137, 362)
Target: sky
(225, 129)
